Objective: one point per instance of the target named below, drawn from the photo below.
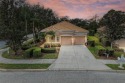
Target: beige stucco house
(66, 34)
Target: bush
(37, 52)
(91, 43)
(48, 45)
(101, 50)
(28, 53)
(25, 47)
(111, 52)
(48, 50)
(105, 42)
(119, 50)
(118, 54)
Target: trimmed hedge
(32, 52)
(28, 53)
(37, 52)
(48, 50)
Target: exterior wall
(58, 37)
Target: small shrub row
(34, 52)
(48, 50)
(48, 45)
(103, 51)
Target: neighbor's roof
(64, 26)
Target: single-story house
(66, 34)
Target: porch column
(85, 39)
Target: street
(62, 77)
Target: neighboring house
(120, 42)
(66, 34)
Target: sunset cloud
(85, 9)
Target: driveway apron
(76, 57)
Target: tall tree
(114, 23)
(12, 24)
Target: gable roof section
(64, 26)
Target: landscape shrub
(101, 50)
(105, 42)
(48, 45)
(37, 52)
(25, 46)
(48, 50)
(111, 52)
(28, 53)
(118, 54)
(91, 43)
(119, 50)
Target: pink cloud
(81, 8)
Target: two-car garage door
(69, 40)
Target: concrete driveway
(76, 57)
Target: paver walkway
(77, 57)
(24, 61)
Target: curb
(22, 70)
(41, 70)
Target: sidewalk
(107, 61)
(24, 61)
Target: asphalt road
(62, 77)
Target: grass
(45, 56)
(24, 66)
(115, 66)
(6, 55)
(93, 50)
(50, 56)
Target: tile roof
(64, 26)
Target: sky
(84, 9)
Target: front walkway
(24, 61)
(77, 57)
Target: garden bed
(34, 53)
(99, 51)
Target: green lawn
(45, 56)
(115, 66)
(24, 66)
(93, 50)
(50, 56)
(6, 55)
